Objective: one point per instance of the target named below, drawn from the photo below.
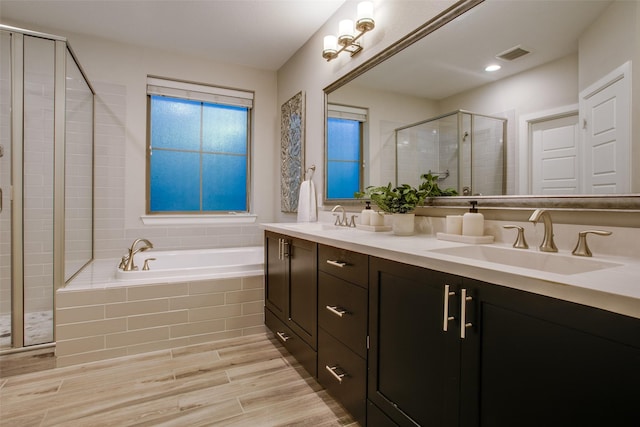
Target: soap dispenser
(472, 221)
(365, 215)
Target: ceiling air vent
(513, 53)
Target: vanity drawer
(342, 311)
(344, 374)
(350, 266)
(299, 349)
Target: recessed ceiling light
(492, 67)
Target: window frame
(209, 94)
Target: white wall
(309, 72)
(125, 68)
(118, 73)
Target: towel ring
(312, 168)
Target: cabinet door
(413, 362)
(530, 360)
(276, 276)
(303, 289)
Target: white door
(605, 111)
(555, 155)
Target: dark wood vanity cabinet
(403, 345)
(291, 295)
(342, 327)
(521, 359)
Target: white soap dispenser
(473, 222)
(365, 215)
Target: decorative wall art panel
(291, 152)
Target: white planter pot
(403, 224)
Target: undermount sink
(312, 226)
(541, 261)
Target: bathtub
(196, 264)
(187, 297)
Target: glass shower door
(5, 185)
(38, 189)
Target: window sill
(224, 219)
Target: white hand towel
(307, 202)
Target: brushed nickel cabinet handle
(285, 249)
(280, 248)
(283, 336)
(336, 310)
(336, 263)
(446, 318)
(463, 313)
(332, 371)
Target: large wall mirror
(564, 92)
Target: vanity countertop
(616, 289)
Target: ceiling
(452, 59)
(262, 34)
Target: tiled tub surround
(614, 289)
(98, 317)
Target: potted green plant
(400, 201)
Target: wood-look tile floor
(248, 381)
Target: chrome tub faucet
(547, 244)
(126, 263)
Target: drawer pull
(336, 310)
(283, 336)
(463, 313)
(332, 371)
(447, 318)
(336, 263)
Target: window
(345, 130)
(199, 145)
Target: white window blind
(337, 111)
(199, 92)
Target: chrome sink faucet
(547, 244)
(126, 263)
(340, 220)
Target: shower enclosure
(465, 150)
(46, 179)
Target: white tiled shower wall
(111, 234)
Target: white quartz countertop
(616, 289)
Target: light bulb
(365, 20)
(345, 31)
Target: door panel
(303, 310)
(555, 149)
(535, 361)
(606, 119)
(413, 363)
(276, 285)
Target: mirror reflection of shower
(465, 150)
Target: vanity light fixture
(492, 67)
(347, 39)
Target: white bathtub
(196, 264)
